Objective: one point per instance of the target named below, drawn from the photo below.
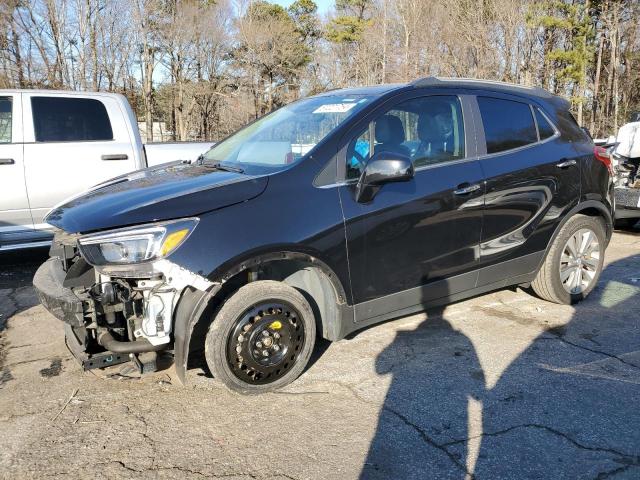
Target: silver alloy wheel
(579, 261)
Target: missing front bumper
(89, 361)
(106, 327)
(59, 300)
(145, 362)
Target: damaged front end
(116, 292)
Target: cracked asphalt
(500, 386)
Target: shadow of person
(435, 389)
(567, 406)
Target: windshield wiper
(223, 167)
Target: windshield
(285, 136)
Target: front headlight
(133, 245)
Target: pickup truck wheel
(262, 338)
(574, 262)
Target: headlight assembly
(135, 245)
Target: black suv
(328, 215)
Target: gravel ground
(500, 386)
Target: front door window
(429, 130)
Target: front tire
(262, 338)
(574, 262)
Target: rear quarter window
(60, 119)
(545, 130)
(570, 129)
(507, 124)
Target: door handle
(467, 189)
(7, 161)
(566, 164)
(117, 156)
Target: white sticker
(638, 202)
(334, 108)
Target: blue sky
(323, 5)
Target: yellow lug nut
(277, 325)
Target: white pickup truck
(55, 144)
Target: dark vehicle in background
(328, 215)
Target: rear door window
(507, 124)
(5, 119)
(59, 119)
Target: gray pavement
(500, 386)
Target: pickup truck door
(72, 142)
(16, 225)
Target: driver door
(418, 240)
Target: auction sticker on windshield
(335, 108)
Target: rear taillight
(603, 156)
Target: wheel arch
(592, 208)
(303, 271)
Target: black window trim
(523, 147)
(44, 142)
(467, 121)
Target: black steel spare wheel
(265, 342)
(261, 338)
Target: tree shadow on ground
(565, 407)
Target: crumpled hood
(164, 192)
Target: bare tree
(203, 68)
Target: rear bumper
(60, 301)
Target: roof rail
(426, 82)
(470, 82)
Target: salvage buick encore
(330, 214)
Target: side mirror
(384, 167)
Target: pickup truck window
(5, 119)
(287, 135)
(63, 119)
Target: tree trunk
(596, 83)
(54, 25)
(583, 69)
(384, 42)
(147, 65)
(93, 44)
(611, 66)
(17, 54)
